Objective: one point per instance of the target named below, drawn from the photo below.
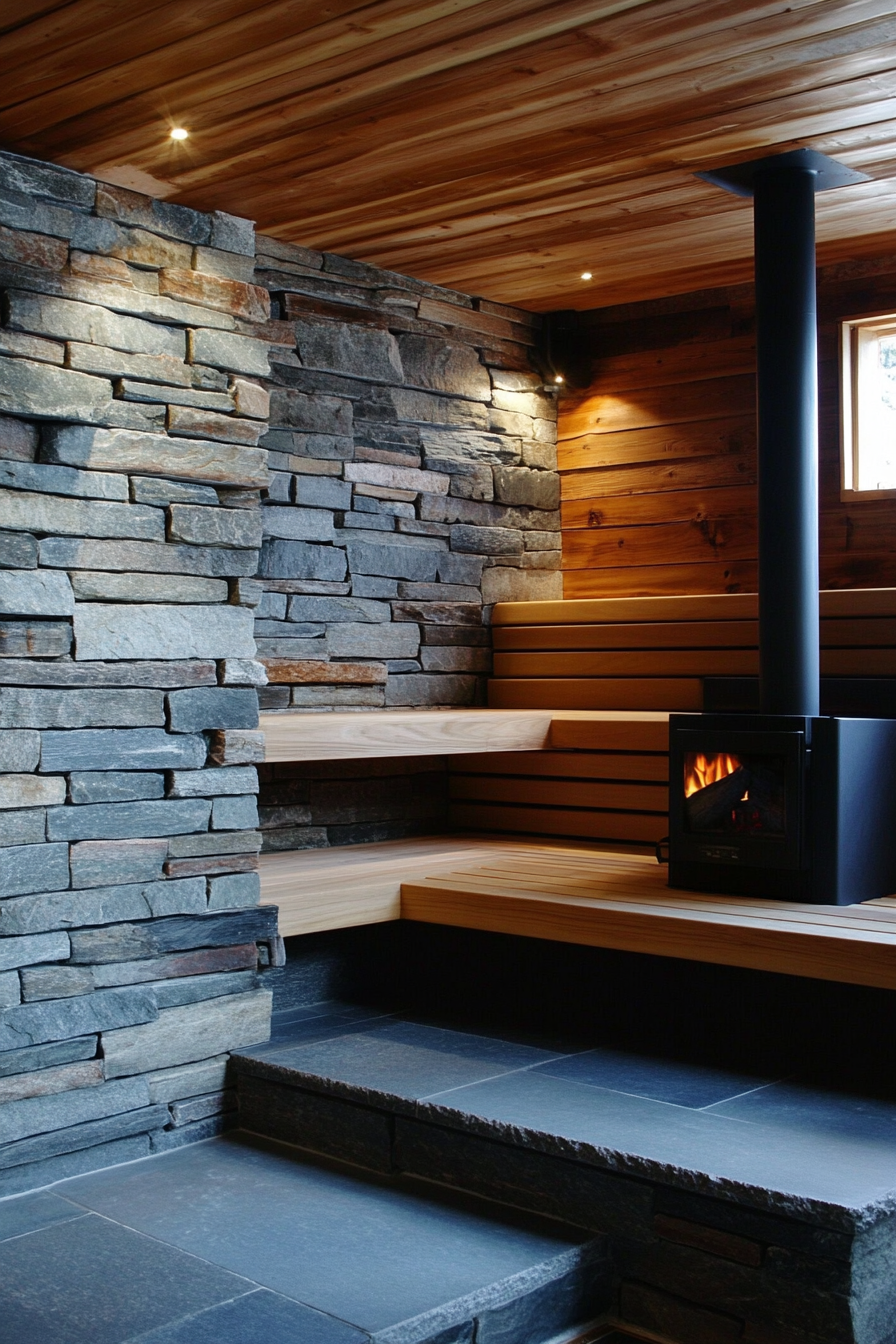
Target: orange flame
(700, 770)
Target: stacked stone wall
(413, 485)
(133, 349)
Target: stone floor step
(736, 1206)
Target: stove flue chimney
(783, 188)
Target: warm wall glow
(700, 769)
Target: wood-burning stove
(785, 804)
(782, 806)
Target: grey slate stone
(124, 821)
(106, 863)
(114, 786)
(162, 631)
(20, 210)
(152, 454)
(126, 942)
(32, 389)
(194, 988)
(33, 177)
(150, 557)
(55, 982)
(27, 511)
(399, 560)
(19, 749)
(28, 791)
(187, 1080)
(192, 1032)
(98, 1151)
(356, 609)
(30, 707)
(9, 989)
(227, 779)
(35, 593)
(91, 586)
(17, 551)
(121, 749)
(237, 813)
(236, 891)
(224, 350)
(486, 540)
(28, 868)
(395, 640)
(243, 672)
(26, 827)
(59, 1019)
(426, 688)
(201, 526)
(40, 1147)
(518, 485)
(322, 492)
(49, 1056)
(364, 585)
(212, 707)
(216, 842)
(35, 639)
(67, 481)
(301, 560)
(102, 905)
(30, 950)
(298, 524)
(154, 490)
(236, 746)
(63, 319)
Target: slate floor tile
(369, 1251)
(29, 1213)
(307, 1030)
(677, 1082)
(779, 1162)
(90, 1281)
(810, 1109)
(408, 1060)
(257, 1318)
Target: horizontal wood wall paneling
(679, 607)
(628, 827)
(662, 693)
(456, 140)
(620, 732)
(683, 525)
(614, 796)
(587, 452)
(859, 632)
(646, 766)
(863, 662)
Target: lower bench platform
(586, 894)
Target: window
(869, 406)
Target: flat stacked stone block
(413, 482)
(132, 348)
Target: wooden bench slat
(636, 828)
(862, 662)
(627, 910)
(848, 602)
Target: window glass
(869, 405)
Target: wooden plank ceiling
(499, 146)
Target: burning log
(707, 809)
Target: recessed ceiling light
(558, 377)
(586, 275)
(178, 133)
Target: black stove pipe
(787, 395)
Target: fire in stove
(738, 795)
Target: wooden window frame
(856, 335)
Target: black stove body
(785, 804)
(787, 807)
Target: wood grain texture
(302, 736)
(318, 889)
(496, 146)
(658, 457)
(621, 901)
